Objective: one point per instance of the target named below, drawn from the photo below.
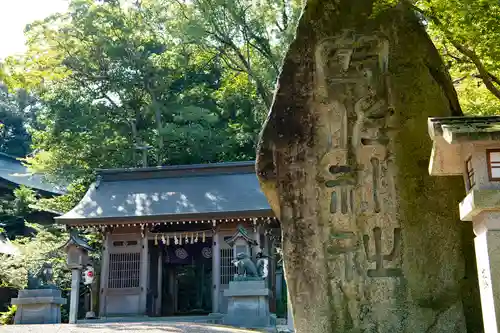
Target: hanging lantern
(163, 239)
(156, 240)
(168, 240)
(203, 239)
(192, 238)
(176, 241)
(196, 238)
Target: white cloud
(15, 14)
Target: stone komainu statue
(247, 269)
(42, 279)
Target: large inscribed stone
(371, 242)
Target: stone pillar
(289, 316)
(103, 285)
(91, 297)
(76, 275)
(487, 244)
(144, 273)
(215, 271)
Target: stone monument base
(248, 304)
(38, 306)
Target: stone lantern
(470, 147)
(241, 242)
(77, 251)
(248, 297)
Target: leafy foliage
(7, 317)
(16, 116)
(160, 82)
(467, 34)
(14, 207)
(45, 246)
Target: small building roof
(241, 233)
(75, 239)
(465, 129)
(14, 172)
(171, 193)
(448, 135)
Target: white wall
(480, 165)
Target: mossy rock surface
(383, 251)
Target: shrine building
(169, 236)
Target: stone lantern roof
(241, 233)
(465, 129)
(75, 239)
(450, 133)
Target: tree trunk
(159, 126)
(371, 242)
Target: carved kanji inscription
(378, 258)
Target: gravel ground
(160, 327)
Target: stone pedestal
(38, 306)
(487, 244)
(75, 295)
(248, 304)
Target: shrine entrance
(193, 292)
(186, 282)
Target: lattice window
(493, 156)
(470, 173)
(124, 270)
(227, 268)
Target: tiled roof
(172, 192)
(13, 171)
(463, 129)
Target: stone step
(212, 319)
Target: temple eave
(218, 217)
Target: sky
(15, 14)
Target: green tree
(44, 247)
(249, 36)
(467, 34)
(17, 112)
(117, 78)
(14, 208)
